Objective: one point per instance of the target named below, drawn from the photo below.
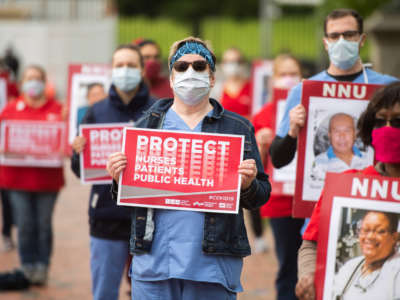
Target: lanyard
(365, 72)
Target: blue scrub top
(176, 250)
(294, 97)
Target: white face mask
(126, 79)
(342, 53)
(191, 86)
(286, 82)
(33, 88)
(231, 69)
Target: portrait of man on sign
(342, 152)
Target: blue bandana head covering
(193, 48)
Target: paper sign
(101, 141)
(352, 206)
(80, 78)
(180, 170)
(327, 142)
(282, 179)
(260, 77)
(32, 143)
(3, 93)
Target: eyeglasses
(197, 65)
(347, 35)
(378, 123)
(379, 232)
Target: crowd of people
(206, 250)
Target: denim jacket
(224, 234)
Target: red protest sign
(80, 78)
(327, 142)
(180, 170)
(32, 143)
(101, 141)
(346, 245)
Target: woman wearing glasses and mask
(193, 255)
(379, 126)
(376, 273)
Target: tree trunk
(196, 27)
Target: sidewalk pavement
(69, 276)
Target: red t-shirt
(12, 88)
(33, 179)
(240, 103)
(277, 205)
(311, 232)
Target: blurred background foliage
(296, 25)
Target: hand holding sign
(305, 288)
(78, 144)
(248, 171)
(116, 164)
(297, 117)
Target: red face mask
(152, 69)
(386, 142)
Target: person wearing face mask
(236, 92)
(285, 229)
(128, 98)
(32, 191)
(151, 52)
(205, 250)
(236, 97)
(379, 127)
(343, 38)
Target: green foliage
(163, 30)
(364, 7)
(187, 10)
(298, 35)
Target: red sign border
(81, 156)
(310, 88)
(119, 202)
(73, 69)
(330, 192)
(42, 163)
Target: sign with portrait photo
(3, 92)
(328, 141)
(87, 84)
(101, 141)
(32, 143)
(282, 179)
(357, 252)
(261, 73)
(181, 170)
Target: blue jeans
(33, 213)
(179, 289)
(107, 263)
(287, 243)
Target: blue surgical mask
(33, 88)
(343, 54)
(126, 79)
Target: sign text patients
(165, 160)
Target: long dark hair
(386, 97)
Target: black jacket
(107, 220)
(224, 234)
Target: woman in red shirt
(286, 230)
(33, 190)
(236, 94)
(379, 126)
